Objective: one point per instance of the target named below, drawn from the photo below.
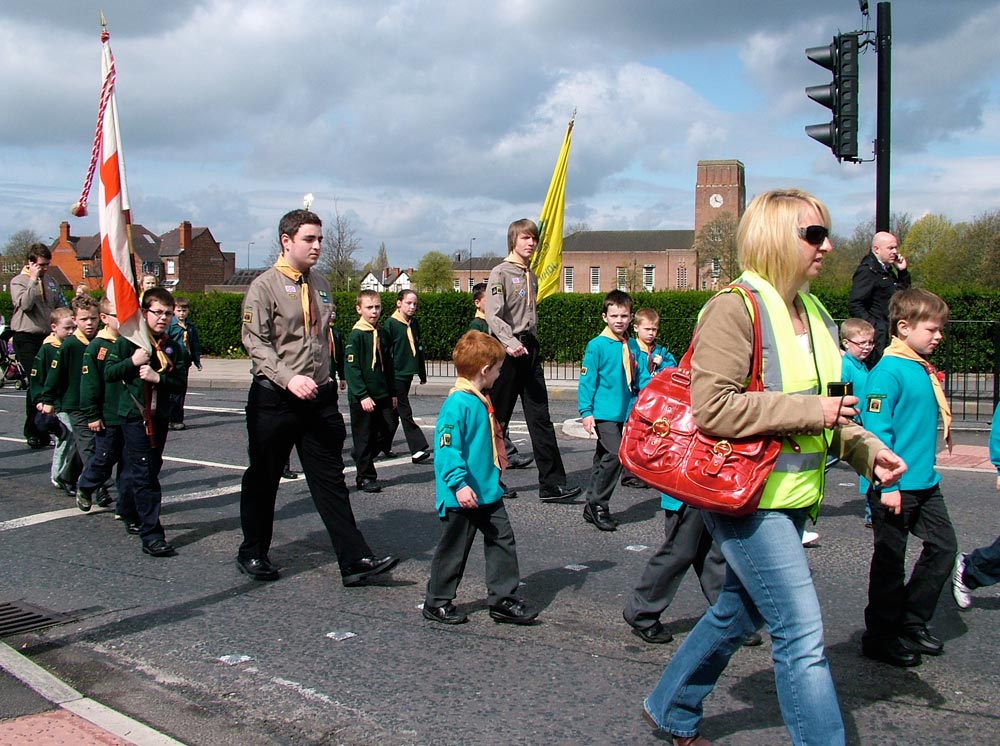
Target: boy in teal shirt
(608, 382)
(903, 401)
(469, 498)
(857, 337)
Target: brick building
(79, 257)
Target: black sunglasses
(814, 235)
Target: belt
(267, 383)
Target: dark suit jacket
(872, 287)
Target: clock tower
(721, 188)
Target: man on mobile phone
(880, 274)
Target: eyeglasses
(814, 235)
(863, 343)
(160, 314)
(42, 264)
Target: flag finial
(307, 201)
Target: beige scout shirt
(719, 369)
(32, 305)
(510, 302)
(274, 332)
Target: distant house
(393, 280)
(470, 272)
(601, 261)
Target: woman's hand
(888, 468)
(838, 410)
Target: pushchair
(12, 370)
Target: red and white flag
(115, 218)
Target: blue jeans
(767, 582)
(982, 566)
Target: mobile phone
(840, 388)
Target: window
(568, 279)
(86, 269)
(648, 277)
(171, 266)
(682, 277)
(472, 284)
(622, 274)
(458, 285)
(595, 279)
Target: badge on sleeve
(445, 439)
(875, 403)
(84, 370)
(103, 352)
(55, 363)
(248, 315)
(350, 358)
(583, 371)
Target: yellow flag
(547, 260)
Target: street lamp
(470, 262)
(249, 244)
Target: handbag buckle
(661, 427)
(723, 448)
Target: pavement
(37, 707)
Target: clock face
(715, 200)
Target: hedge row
(567, 321)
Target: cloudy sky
(428, 122)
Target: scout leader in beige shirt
(285, 317)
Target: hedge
(567, 321)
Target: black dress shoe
(102, 498)
(753, 640)
(509, 493)
(919, 640)
(635, 483)
(289, 474)
(891, 652)
(258, 569)
(69, 489)
(420, 456)
(370, 485)
(84, 500)
(36, 443)
(446, 614)
(159, 548)
(519, 461)
(390, 454)
(366, 567)
(512, 611)
(655, 633)
(599, 516)
(132, 527)
(557, 493)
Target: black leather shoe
(36, 443)
(159, 548)
(370, 485)
(289, 474)
(655, 633)
(520, 461)
(390, 454)
(599, 516)
(891, 652)
(84, 500)
(919, 640)
(65, 486)
(132, 528)
(258, 569)
(446, 614)
(512, 611)
(557, 493)
(753, 640)
(102, 498)
(634, 483)
(420, 456)
(366, 567)
(509, 493)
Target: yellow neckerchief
(626, 353)
(364, 326)
(480, 314)
(516, 261)
(648, 349)
(53, 340)
(294, 275)
(464, 384)
(409, 331)
(108, 333)
(898, 348)
(165, 363)
(82, 337)
(184, 335)
(333, 345)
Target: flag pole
(547, 260)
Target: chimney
(64, 232)
(185, 235)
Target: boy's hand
(888, 468)
(47, 409)
(517, 351)
(146, 373)
(466, 497)
(893, 501)
(588, 424)
(96, 426)
(303, 387)
(394, 401)
(368, 404)
(140, 357)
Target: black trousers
(370, 433)
(523, 377)
(452, 553)
(606, 467)
(895, 603)
(142, 472)
(415, 439)
(277, 420)
(26, 347)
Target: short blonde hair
(647, 315)
(855, 326)
(474, 351)
(768, 235)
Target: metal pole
(883, 51)
(470, 262)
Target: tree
(981, 242)
(932, 251)
(15, 251)
(379, 264)
(433, 274)
(715, 246)
(577, 227)
(340, 243)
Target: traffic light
(840, 96)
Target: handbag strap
(756, 380)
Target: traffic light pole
(883, 52)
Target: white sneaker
(809, 538)
(961, 592)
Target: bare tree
(715, 246)
(15, 251)
(577, 227)
(340, 243)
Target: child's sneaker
(961, 592)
